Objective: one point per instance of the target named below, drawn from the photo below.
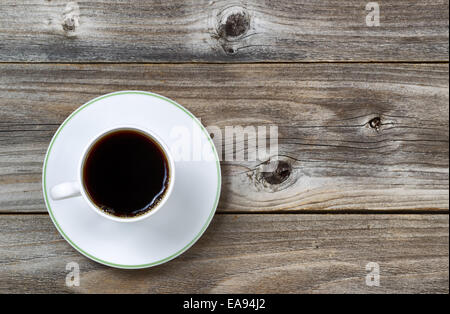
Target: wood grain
(221, 31)
(247, 254)
(351, 137)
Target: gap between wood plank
(234, 62)
(318, 212)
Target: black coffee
(126, 173)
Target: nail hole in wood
(231, 51)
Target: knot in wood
(233, 23)
(69, 24)
(70, 17)
(236, 25)
(375, 123)
(280, 174)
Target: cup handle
(65, 190)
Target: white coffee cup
(77, 188)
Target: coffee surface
(126, 173)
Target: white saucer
(170, 231)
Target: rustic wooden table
(362, 173)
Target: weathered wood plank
(247, 254)
(333, 153)
(238, 30)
